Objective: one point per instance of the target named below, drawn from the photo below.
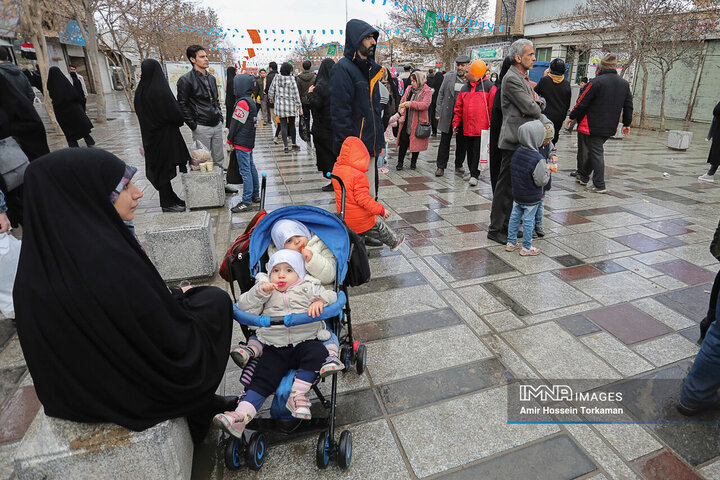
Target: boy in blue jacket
(241, 137)
(529, 173)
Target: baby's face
(296, 243)
(283, 276)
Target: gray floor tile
(591, 244)
(557, 354)
(541, 292)
(578, 325)
(445, 435)
(617, 287)
(406, 324)
(552, 459)
(386, 364)
(377, 306)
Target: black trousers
(381, 232)
(433, 120)
(287, 126)
(558, 125)
(403, 146)
(444, 149)
(502, 197)
(580, 153)
(89, 141)
(473, 155)
(594, 159)
(275, 362)
(306, 115)
(168, 197)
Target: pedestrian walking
(284, 96)
(391, 104)
(472, 110)
(272, 66)
(68, 107)
(496, 121)
(261, 86)
(520, 104)
(569, 127)
(597, 111)
(78, 84)
(714, 155)
(304, 81)
(445, 111)
(414, 126)
(111, 304)
(555, 89)
(160, 120)
(13, 74)
(197, 95)
(435, 83)
(355, 100)
(229, 94)
(320, 98)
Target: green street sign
(429, 27)
(332, 49)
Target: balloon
(478, 68)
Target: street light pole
(507, 21)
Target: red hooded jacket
(360, 208)
(473, 107)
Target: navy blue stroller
(250, 451)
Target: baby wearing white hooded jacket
(288, 289)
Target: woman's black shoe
(413, 165)
(179, 201)
(399, 166)
(328, 188)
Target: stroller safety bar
(342, 193)
(292, 319)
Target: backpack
(235, 266)
(358, 263)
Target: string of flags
(446, 17)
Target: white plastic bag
(199, 153)
(484, 150)
(9, 257)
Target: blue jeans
(251, 185)
(702, 383)
(526, 213)
(539, 213)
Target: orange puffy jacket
(360, 207)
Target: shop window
(543, 54)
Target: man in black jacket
(272, 66)
(198, 97)
(555, 89)
(597, 112)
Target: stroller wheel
(360, 359)
(233, 453)
(346, 356)
(322, 455)
(255, 453)
(345, 450)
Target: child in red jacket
(361, 210)
(472, 109)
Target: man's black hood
(355, 31)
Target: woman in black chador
(160, 120)
(319, 98)
(104, 338)
(229, 95)
(69, 110)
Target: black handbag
(423, 130)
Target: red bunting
(251, 52)
(254, 36)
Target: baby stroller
(250, 451)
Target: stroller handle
(263, 184)
(342, 196)
(292, 319)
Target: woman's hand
(316, 308)
(4, 223)
(311, 89)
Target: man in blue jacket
(355, 96)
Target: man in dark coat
(520, 104)
(304, 81)
(597, 111)
(353, 80)
(444, 111)
(555, 89)
(13, 74)
(68, 108)
(714, 155)
(78, 84)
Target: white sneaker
(473, 181)
(466, 177)
(706, 178)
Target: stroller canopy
(322, 223)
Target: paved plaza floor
(452, 318)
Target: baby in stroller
(319, 262)
(287, 289)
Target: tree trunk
(92, 49)
(663, 76)
(643, 113)
(43, 60)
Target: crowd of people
(174, 343)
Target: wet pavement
(451, 318)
